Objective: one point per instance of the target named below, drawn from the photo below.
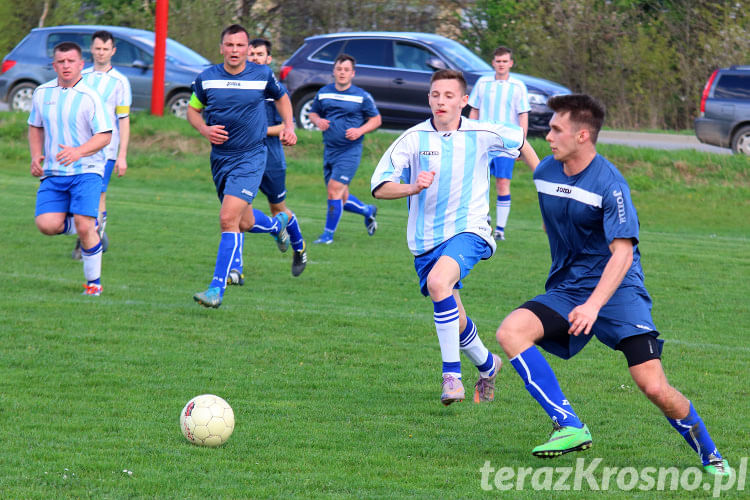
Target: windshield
(463, 58)
(178, 53)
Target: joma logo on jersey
(429, 153)
(565, 190)
(233, 84)
(620, 206)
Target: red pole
(160, 52)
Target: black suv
(725, 110)
(396, 69)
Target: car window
(733, 87)
(463, 58)
(82, 39)
(371, 52)
(328, 52)
(409, 56)
(127, 53)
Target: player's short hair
(233, 29)
(67, 47)
(501, 51)
(449, 74)
(104, 36)
(585, 111)
(345, 57)
(257, 42)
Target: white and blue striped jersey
(114, 87)
(499, 101)
(69, 116)
(458, 199)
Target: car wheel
(302, 111)
(19, 98)
(741, 141)
(178, 104)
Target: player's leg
(354, 205)
(299, 259)
(52, 212)
(528, 325)
(337, 191)
(502, 169)
(441, 279)
(273, 187)
(84, 204)
(472, 346)
(642, 353)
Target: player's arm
(284, 107)
(215, 133)
(523, 122)
(371, 124)
(390, 190)
(528, 155)
(474, 114)
(36, 147)
(275, 130)
(121, 164)
(319, 121)
(582, 318)
(71, 154)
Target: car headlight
(537, 98)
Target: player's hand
(424, 180)
(323, 124)
(582, 318)
(288, 137)
(122, 166)
(353, 134)
(216, 134)
(68, 155)
(36, 166)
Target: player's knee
(654, 390)
(48, 228)
(438, 285)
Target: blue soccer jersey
(346, 109)
(458, 199)
(275, 159)
(583, 214)
(237, 102)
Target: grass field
(334, 376)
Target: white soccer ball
(207, 420)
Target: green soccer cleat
(564, 440)
(282, 237)
(718, 467)
(235, 277)
(209, 298)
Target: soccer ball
(207, 420)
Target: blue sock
(694, 431)
(334, 215)
(237, 256)
(264, 223)
(542, 384)
(227, 247)
(295, 235)
(446, 324)
(354, 205)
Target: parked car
(396, 69)
(30, 64)
(725, 110)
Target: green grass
(334, 376)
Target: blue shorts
(501, 167)
(108, 169)
(627, 313)
(239, 173)
(273, 184)
(465, 248)
(341, 164)
(74, 194)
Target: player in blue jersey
(501, 98)
(441, 166)
(68, 127)
(345, 113)
(273, 184)
(595, 286)
(228, 108)
(114, 88)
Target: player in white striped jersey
(501, 98)
(68, 127)
(441, 166)
(114, 88)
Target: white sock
(92, 262)
(502, 208)
(446, 324)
